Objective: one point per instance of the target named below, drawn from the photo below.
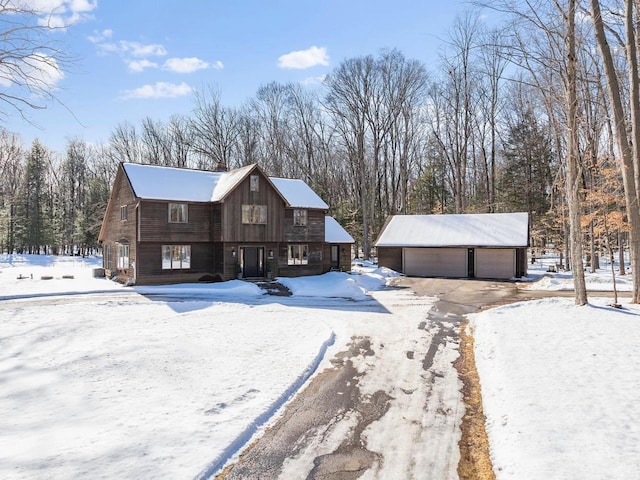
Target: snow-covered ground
(601, 280)
(105, 381)
(560, 384)
(170, 382)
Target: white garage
(489, 245)
(435, 262)
(495, 262)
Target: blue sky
(146, 58)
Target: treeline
(485, 130)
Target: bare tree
(573, 165)
(629, 154)
(31, 61)
(214, 130)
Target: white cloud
(185, 65)
(158, 90)
(141, 50)
(37, 72)
(218, 65)
(314, 80)
(59, 14)
(101, 37)
(302, 59)
(140, 65)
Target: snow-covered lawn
(156, 382)
(169, 382)
(560, 387)
(601, 280)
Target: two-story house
(170, 225)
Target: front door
(335, 257)
(252, 261)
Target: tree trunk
(573, 166)
(627, 167)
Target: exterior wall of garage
(390, 257)
(454, 262)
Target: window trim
(184, 260)
(183, 211)
(296, 254)
(254, 183)
(250, 212)
(123, 256)
(300, 217)
(124, 212)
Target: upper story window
(300, 217)
(254, 180)
(124, 214)
(178, 213)
(254, 214)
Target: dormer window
(178, 213)
(300, 218)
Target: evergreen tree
(525, 178)
(30, 228)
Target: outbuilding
(486, 245)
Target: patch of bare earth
(475, 460)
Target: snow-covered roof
(153, 182)
(463, 230)
(298, 194)
(228, 181)
(334, 233)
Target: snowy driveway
(389, 405)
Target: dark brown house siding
(118, 231)
(344, 257)
(215, 234)
(313, 231)
(150, 270)
(155, 225)
(314, 267)
(390, 257)
(233, 230)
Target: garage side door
(435, 262)
(495, 262)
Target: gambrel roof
(456, 230)
(153, 182)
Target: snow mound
(236, 288)
(332, 284)
(339, 284)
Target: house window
(300, 218)
(254, 181)
(176, 257)
(107, 256)
(178, 213)
(254, 214)
(298, 255)
(123, 256)
(124, 214)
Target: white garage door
(435, 262)
(495, 262)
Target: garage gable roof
(460, 230)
